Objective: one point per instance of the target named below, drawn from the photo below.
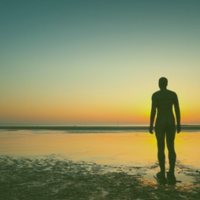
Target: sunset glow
(96, 62)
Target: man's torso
(164, 101)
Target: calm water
(127, 148)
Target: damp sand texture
(49, 178)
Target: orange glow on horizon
(86, 112)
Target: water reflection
(126, 149)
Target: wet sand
(55, 177)
(58, 165)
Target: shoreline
(77, 128)
(57, 177)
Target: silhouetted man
(162, 104)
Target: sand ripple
(50, 177)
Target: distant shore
(77, 128)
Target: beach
(50, 164)
(83, 84)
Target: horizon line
(89, 127)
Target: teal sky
(97, 61)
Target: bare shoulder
(172, 93)
(155, 94)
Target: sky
(89, 62)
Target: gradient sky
(96, 62)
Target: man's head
(163, 83)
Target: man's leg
(160, 136)
(171, 150)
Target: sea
(105, 145)
(130, 145)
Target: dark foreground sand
(50, 177)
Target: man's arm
(178, 115)
(153, 114)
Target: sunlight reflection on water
(136, 149)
